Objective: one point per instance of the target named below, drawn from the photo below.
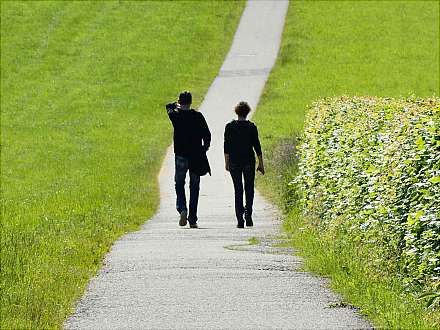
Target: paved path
(166, 277)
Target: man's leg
(179, 179)
(194, 188)
(249, 179)
(236, 174)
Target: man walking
(192, 139)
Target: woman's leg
(249, 179)
(237, 174)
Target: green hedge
(369, 170)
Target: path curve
(166, 277)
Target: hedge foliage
(369, 170)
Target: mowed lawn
(333, 48)
(84, 130)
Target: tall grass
(83, 133)
(331, 48)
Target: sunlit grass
(253, 241)
(84, 130)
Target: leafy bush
(369, 170)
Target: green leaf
(420, 143)
(370, 169)
(419, 213)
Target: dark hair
(185, 98)
(242, 109)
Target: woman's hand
(227, 162)
(260, 168)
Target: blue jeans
(194, 187)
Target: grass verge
(83, 133)
(253, 241)
(381, 48)
(383, 299)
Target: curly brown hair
(242, 109)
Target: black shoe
(249, 222)
(183, 219)
(240, 223)
(193, 225)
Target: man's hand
(171, 107)
(227, 167)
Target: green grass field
(332, 48)
(84, 130)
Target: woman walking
(241, 139)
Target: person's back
(241, 139)
(191, 141)
(190, 129)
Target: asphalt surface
(167, 277)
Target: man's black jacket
(192, 138)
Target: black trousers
(238, 173)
